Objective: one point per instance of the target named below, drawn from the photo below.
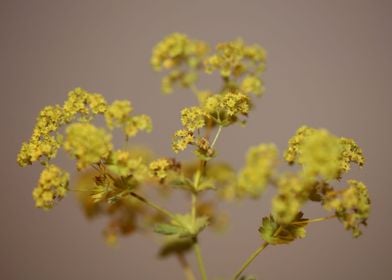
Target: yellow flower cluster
(123, 163)
(87, 143)
(192, 118)
(293, 192)
(351, 205)
(82, 103)
(181, 139)
(159, 168)
(260, 166)
(45, 140)
(182, 56)
(52, 186)
(118, 114)
(321, 153)
(225, 108)
(252, 84)
(351, 153)
(235, 59)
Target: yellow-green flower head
(82, 103)
(212, 103)
(136, 124)
(124, 164)
(295, 142)
(76, 103)
(351, 205)
(252, 84)
(52, 186)
(260, 166)
(293, 192)
(351, 153)
(49, 120)
(321, 153)
(234, 58)
(235, 103)
(181, 139)
(159, 168)
(175, 49)
(117, 113)
(228, 58)
(87, 143)
(97, 103)
(192, 118)
(43, 147)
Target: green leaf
(166, 229)
(275, 233)
(183, 226)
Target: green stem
(153, 205)
(194, 201)
(216, 136)
(250, 260)
(199, 258)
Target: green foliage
(276, 234)
(183, 226)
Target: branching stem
(153, 205)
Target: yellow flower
(159, 168)
(321, 153)
(192, 118)
(260, 166)
(351, 205)
(52, 186)
(87, 143)
(181, 139)
(117, 113)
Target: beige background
(329, 66)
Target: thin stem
(313, 220)
(194, 201)
(216, 136)
(189, 275)
(153, 205)
(199, 258)
(250, 260)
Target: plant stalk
(153, 205)
(200, 262)
(250, 260)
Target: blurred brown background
(329, 66)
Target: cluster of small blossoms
(322, 157)
(159, 168)
(118, 114)
(87, 144)
(182, 57)
(293, 192)
(234, 59)
(223, 110)
(351, 205)
(125, 164)
(321, 153)
(52, 186)
(46, 139)
(260, 165)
